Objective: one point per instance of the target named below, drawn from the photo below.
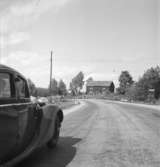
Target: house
(99, 87)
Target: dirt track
(104, 134)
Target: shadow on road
(58, 157)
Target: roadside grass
(65, 103)
(123, 98)
(68, 103)
(62, 102)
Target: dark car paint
(24, 125)
(17, 128)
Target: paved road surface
(104, 134)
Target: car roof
(9, 69)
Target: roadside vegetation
(146, 89)
(57, 92)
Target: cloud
(36, 6)
(24, 59)
(22, 13)
(30, 64)
(20, 10)
(14, 38)
(37, 67)
(17, 15)
(19, 37)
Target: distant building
(99, 87)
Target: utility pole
(51, 72)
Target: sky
(99, 37)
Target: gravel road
(104, 134)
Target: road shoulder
(156, 107)
(74, 108)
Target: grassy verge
(123, 98)
(65, 104)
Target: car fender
(49, 113)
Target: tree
(54, 87)
(89, 79)
(149, 80)
(131, 92)
(32, 87)
(125, 80)
(62, 88)
(142, 90)
(42, 92)
(152, 79)
(73, 89)
(77, 83)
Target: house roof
(99, 83)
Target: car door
(19, 118)
(8, 116)
(27, 114)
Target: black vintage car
(24, 125)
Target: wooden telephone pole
(51, 72)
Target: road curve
(104, 134)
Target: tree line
(147, 87)
(59, 88)
(56, 88)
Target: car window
(20, 88)
(5, 88)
